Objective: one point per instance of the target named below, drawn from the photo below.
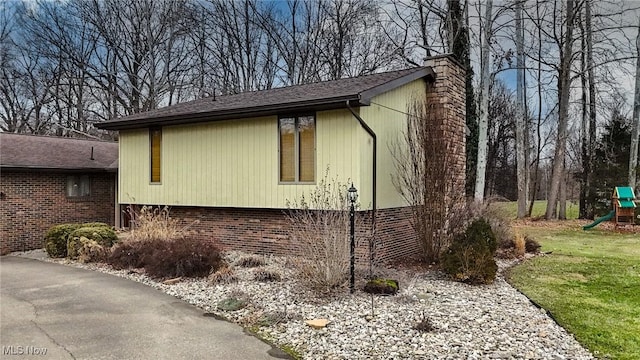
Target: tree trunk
(484, 106)
(521, 163)
(633, 156)
(562, 211)
(584, 130)
(539, 120)
(564, 80)
(592, 111)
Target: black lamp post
(352, 196)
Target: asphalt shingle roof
(322, 95)
(46, 152)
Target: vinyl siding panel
(233, 163)
(387, 119)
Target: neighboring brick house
(51, 180)
(230, 165)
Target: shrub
(250, 261)
(232, 304)
(273, 318)
(223, 275)
(265, 275)
(105, 236)
(519, 244)
(424, 325)
(495, 215)
(426, 182)
(188, 257)
(86, 250)
(101, 235)
(129, 254)
(56, 239)
(469, 259)
(154, 223)
(321, 229)
(237, 300)
(531, 245)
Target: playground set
(623, 213)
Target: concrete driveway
(71, 313)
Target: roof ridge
(58, 137)
(416, 68)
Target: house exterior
(46, 181)
(233, 163)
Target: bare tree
(521, 163)
(484, 103)
(635, 133)
(423, 177)
(564, 83)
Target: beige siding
(387, 119)
(233, 163)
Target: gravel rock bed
(471, 322)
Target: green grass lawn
(510, 208)
(590, 283)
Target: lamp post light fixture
(352, 195)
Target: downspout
(375, 158)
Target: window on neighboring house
(78, 186)
(297, 148)
(155, 146)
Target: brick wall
(34, 201)
(267, 231)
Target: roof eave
(426, 73)
(268, 110)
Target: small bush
(469, 259)
(250, 261)
(129, 254)
(531, 245)
(266, 275)
(424, 325)
(188, 257)
(273, 318)
(237, 300)
(86, 250)
(519, 244)
(155, 223)
(498, 219)
(224, 275)
(56, 239)
(232, 304)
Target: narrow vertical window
(155, 141)
(307, 149)
(287, 149)
(297, 148)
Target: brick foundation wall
(267, 231)
(34, 201)
(396, 240)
